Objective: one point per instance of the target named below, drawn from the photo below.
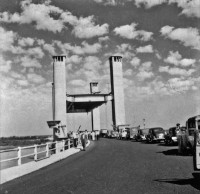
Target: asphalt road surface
(113, 166)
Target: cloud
(22, 82)
(180, 84)
(84, 27)
(5, 66)
(189, 37)
(128, 72)
(85, 48)
(176, 71)
(26, 42)
(87, 29)
(39, 14)
(7, 39)
(145, 71)
(135, 62)
(29, 62)
(176, 59)
(145, 49)
(124, 50)
(130, 32)
(149, 3)
(189, 8)
(142, 75)
(35, 78)
(103, 39)
(48, 17)
(74, 59)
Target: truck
(186, 139)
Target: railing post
(56, 147)
(35, 152)
(68, 143)
(63, 144)
(47, 149)
(19, 155)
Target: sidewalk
(17, 171)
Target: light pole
(144, 123)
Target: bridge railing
(36, 152)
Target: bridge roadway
(113, 167)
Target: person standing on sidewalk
(83, 140)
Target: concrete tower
(59, 93)
(95, 113)
(116, 75)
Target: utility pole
(144, 123)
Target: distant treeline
(23, 140)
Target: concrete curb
(18, 171)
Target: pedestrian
(97, 135)
(75, 139)
(83, 140)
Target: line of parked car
(150, 135)
(157, 134)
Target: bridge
(108, 165)
(113, 166)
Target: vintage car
(112, 134)
(171, 136)
(186, 138)
(104, 133)
(141, 134)
(155, 134)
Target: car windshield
(191, 132)
(158, 130)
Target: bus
(193, 132)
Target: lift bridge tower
(63, 103)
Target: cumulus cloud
(74, 59)
(145, 49)
(142, 75)
(180, 84)
(103, 39)
(48, 17)
(40, 14)
(176, 59)
(22, 82)
(189, 8)
(149, 3)
(7, 39)
(176, 71)
(35, 78)
(5, 66)
(124, 50)
(145, 71)
(85, 48)
(130, 32)
(128, 72)
(189, 37)
(135, 62)
(26, 42)
(29, 62)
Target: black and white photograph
(100, 96)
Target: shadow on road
(194, 182)
(174, 152)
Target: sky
(159, 41)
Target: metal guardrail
(50, 148)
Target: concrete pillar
(59, 92)
(95, 113)
(116, 74)
(95, 119)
